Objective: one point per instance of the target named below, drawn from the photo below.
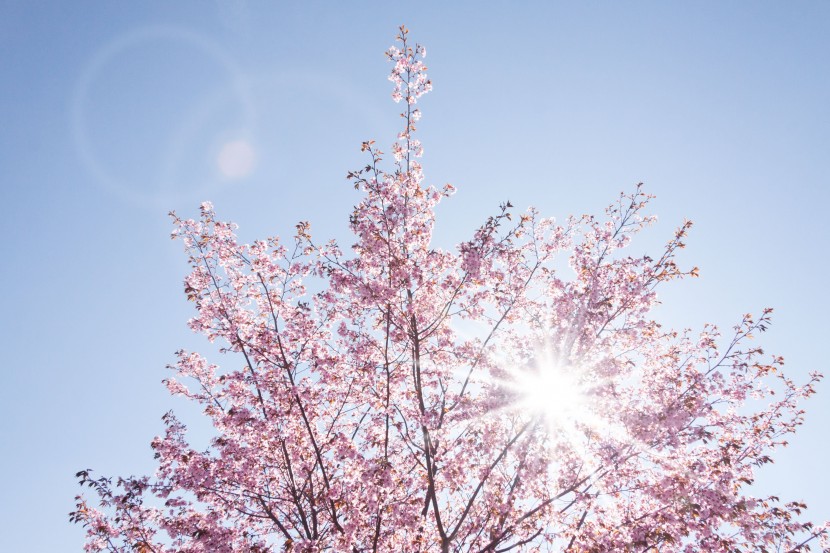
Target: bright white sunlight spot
(552, 391)
(564, 395)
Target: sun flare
(553, 392)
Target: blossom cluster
(409, 72)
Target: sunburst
(564, 394)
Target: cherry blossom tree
(395, 396)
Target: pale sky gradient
(112, 113)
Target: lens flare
(236, 159)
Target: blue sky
(114, 113)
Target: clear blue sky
(113, 113)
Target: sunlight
(574, 405)
(554, 392)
